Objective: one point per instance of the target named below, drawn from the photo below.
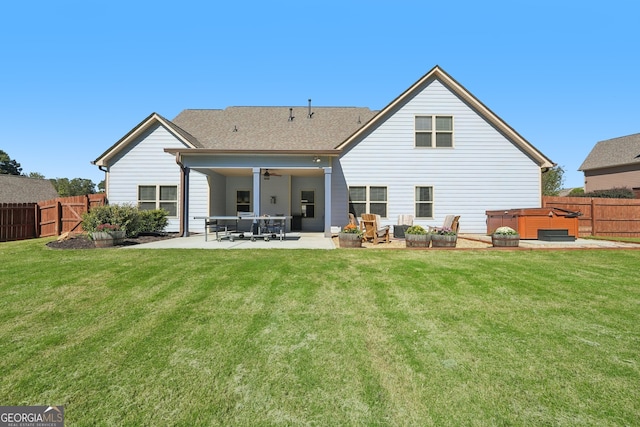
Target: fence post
(58, 217)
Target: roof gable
(22, 189)
(624, 150)
(151, 120)
(437, 73)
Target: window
(243, 201)
(434, 131)
(152, 197)
(424, 202)
(368, 200)
(308, 203)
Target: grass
(615, 239)
(344, 337)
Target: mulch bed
(82, 241)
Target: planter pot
(417, 240)
(443, 241)
(505, 240)
(102, 239)
(118, 237)
(349, 240)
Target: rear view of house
(434, 150)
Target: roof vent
(310, 115)
(291, 116)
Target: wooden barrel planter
(505, 240)
(349, 240)
(118, 237)
(443, 241)
(102, 239)
(417, 240)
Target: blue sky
(78, 75)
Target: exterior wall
(607, 178)
(484, 171)
(144, 162)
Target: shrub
(505, 231)
(153, 220)
(612, 193)
(127, 217)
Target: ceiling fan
(268, 174)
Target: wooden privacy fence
(53, 217)
(601, 217)
(17, 221)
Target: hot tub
(528, 221)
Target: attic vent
(235, 128)
(359, 121)
(310, 115)
(291, 116)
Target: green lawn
(343, 337)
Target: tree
(8, 166)
(552, 181)
(74, 187)
(35, 175)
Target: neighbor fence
(600, 216)
(19, 221)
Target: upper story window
(165, 197)
(434, 131)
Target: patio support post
(327, 202)
(256, 191)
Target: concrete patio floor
(196, 241)
(318, 241)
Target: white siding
(144, 162)
(483, 171)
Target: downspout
(184, 182)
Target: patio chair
(450, 221)
(373, 230)
(352, 219)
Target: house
(434, 150)
(22, 189)
(613, 163)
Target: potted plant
(505, 237)
(350, 237)
(107, 235)
(416, 237)
(444, 237)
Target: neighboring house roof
(22, 189)
(439, 74)
(624, 150)
(270, 128)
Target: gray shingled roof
(613, 152)
(21, 189)
(269, 128)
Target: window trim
(367, 202)
(157, 200)
(416, 201)
(243, 204)
(433, 131)
(304, 203)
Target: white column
(327, 202)
(256, 191)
